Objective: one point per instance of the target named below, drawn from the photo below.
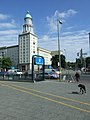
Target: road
(46, 100)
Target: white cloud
(7, 25)
(71, 41)
(3, 16)
(13, 21)
(8, 37)
(70, 27)
(45, 38)
(52, 21)
(4, 24)
(52, 24)
(65, 14)
(8, 31)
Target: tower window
(34, 43)
(33, 51)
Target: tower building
(27, 41)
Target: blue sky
(74, 31)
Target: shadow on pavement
(74, 92)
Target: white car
(54, 75)
(52, 70)
(18, 72)
(14, 71)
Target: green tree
(63, 62)
(55, 60)
(71, 65)
(87, 61)
(78, 63)
(6, 62)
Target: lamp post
(58, 30)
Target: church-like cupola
(28, 26)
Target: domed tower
(27, 41)
(28, 26)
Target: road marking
(28, 92)
(52, 95)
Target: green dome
(28, 15)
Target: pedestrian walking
(77, 76)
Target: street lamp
(58, 30)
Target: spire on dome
(28, 15)
(28, 25)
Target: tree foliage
(79, 64)
(5, 62)
(63, 62)
(55, 60)
(87, 61)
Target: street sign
(84, 53)
(38, 61)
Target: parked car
(3, 73)
(49, 75)
(14, 71)
(54, 75)
(52, 70)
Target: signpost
(38, 60)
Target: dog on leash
(82, 88)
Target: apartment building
(12, 52)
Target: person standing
(77, 76)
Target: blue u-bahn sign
(38, 61)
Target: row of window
(26, 37)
